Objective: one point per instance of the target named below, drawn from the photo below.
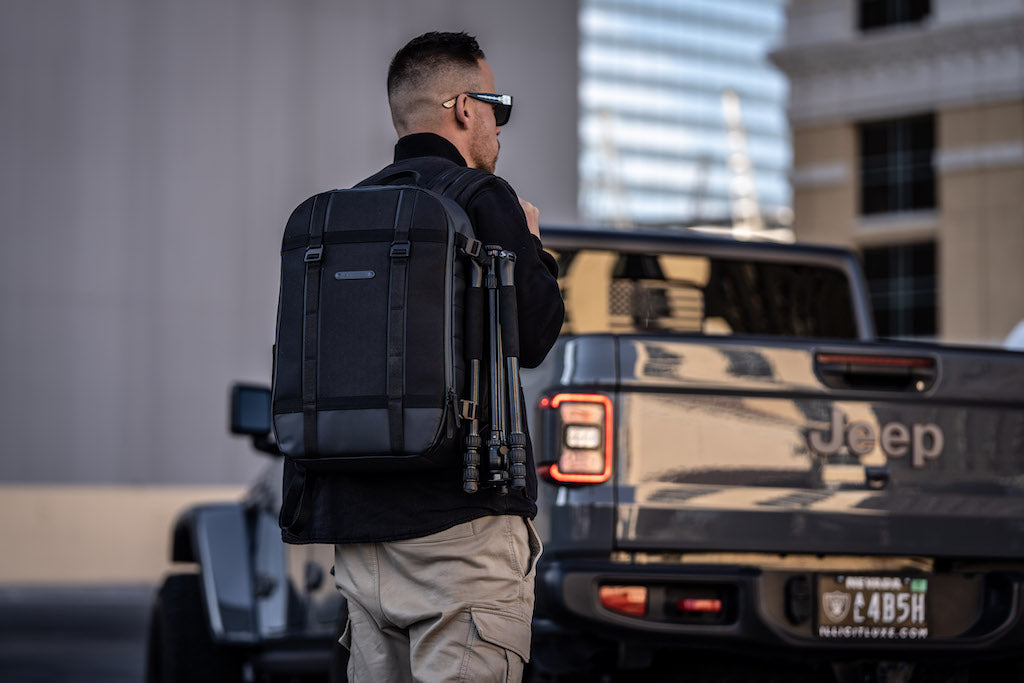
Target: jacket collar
(427, 145)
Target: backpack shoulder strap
(297, 502)
(459, 182)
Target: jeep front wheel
(180, 648)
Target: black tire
(180, 648)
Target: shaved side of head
(429, 70)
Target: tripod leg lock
(471, 464)
(517, 459)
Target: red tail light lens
(631, 600)
(583, 425)
(699, 605)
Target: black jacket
(365, 507)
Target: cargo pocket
(346, 635)
(536, 547)
(509, 633)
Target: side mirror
(250, 410)
(250, 416)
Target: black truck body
(755, 482)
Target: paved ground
(98, 635)
(73, 635)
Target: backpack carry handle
(412, 175)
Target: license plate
(872, 607)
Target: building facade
(908, 136)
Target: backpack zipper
(449, 352)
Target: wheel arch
(218, 538)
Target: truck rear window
(622, 293)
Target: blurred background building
(659, 82)
(908, 138)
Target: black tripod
(506, 443)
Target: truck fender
(217, 538)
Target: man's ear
(462, 112)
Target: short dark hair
(429, 52)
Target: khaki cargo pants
(453, 606)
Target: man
(439, 582)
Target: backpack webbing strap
(397, 292)
(297, 505)
(311, 325)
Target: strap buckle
(400, 249)
(473, 248)
(314, 254)
(468, 409)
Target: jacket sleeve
(499, 219)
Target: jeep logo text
(921, 441)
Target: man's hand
(532, 216)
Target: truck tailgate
(846, 448)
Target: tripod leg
(510, 348)
(474, 352)
(496, 446)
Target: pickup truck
(733, 462)
(739, 481)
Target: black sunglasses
(502, 104)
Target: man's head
(428, 84)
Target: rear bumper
(294, 660)
(765, 612)
(293, 656)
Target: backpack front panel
(358, 299)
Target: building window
(879, 13)
(896, 169)
(902, 284)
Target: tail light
(699, 605)
(582, 429)
(695, 603)
(631, 600)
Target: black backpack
(368, 360)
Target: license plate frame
(872, 607)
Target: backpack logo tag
(354, 275)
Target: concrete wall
(151, 154)
(91, 533)
(981, 189)
(825, 182)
